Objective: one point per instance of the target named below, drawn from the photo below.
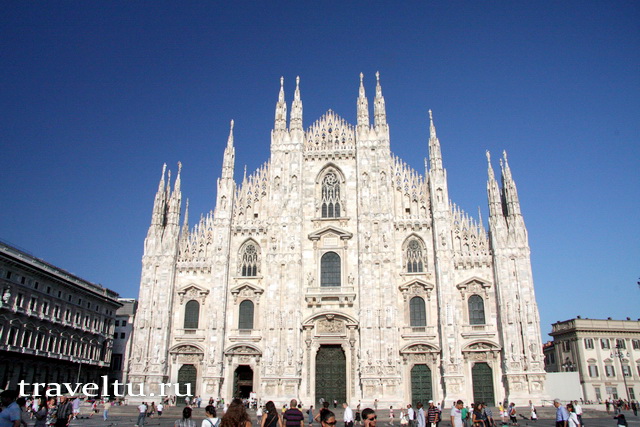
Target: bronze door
(482, 377)
(187, 376)
(331, 374)
(421, 390)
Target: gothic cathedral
(337, 271)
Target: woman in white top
(573, 417)
(210, 419)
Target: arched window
(245, 317)
(414, 257)
(249, 260)
(476, 310)
(417, 312)
(330, 195)
(330, 269)
(191, 314)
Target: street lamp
(621, 355)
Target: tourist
(75, 406)
(52, 412)
(41, 414)
(310, 415)
(420, 417)
(105, 409)
(513, 414)
(391, 415)
(369, 417)
(328, 419)
(465, 415)
(348, 415)
(199, 401)
(325, 407)
(622, 421)
(293, 416)
(142, 414)
(258, 415)
(433, 415)
(160, 408)
(270, 418)
(65, 412)
(573, 417)
(10, 415)
(358, 415)
(411, 415)
(578, 410)
(186, 420)
(488, 415)
(476, 417)
(24, 414)
(562, 415)
(236, 415)
(210, 417)
(152, 410)
(456, 414)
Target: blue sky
(96, 96)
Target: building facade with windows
(605, 353)
(54, 326)
(122, 339)
(337, 271)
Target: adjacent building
(605, 353)
(54, 326)
(122, 339)
(337, 271)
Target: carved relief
(330, 326)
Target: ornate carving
(330, 326)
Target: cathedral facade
(337, 271)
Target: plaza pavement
(126, 416)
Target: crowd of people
(59, 412)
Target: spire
(493, 191)
(230, 139)
(176, 185)
(296, 108)
(435, 155)
(160, 201)
(363, 107)
(173, 212)
(281, 109)
(379, 110)
(509, 187)
(228, 160)
(185, 224)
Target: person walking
(420, 416)
(433, 414)
(41, 414)
(11, 416)
(186, 420)
(270, 418)
(411, 415)
(573, 417)
(210, 418)
(293, 417)
(236, 415)
(562, 415)
(64, 413)
(456, 414)
(142, 414)
(348, 415)
(310, 415)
